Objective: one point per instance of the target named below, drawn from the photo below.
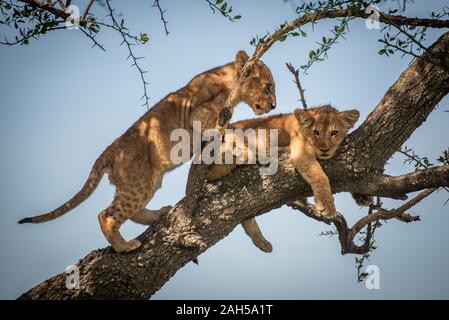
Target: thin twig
(86, 11)
(6, 42)
(131, 54)
(413, 158)
(399, 28)
(295, 73)
(62, 5)
(96, 43)
(214, 7)
(161, 12)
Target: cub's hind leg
(253, 231)
(132, 195)
(111, 220)
(127, 201)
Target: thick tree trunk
(178, 237)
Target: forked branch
(376, 212)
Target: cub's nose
(325, 149)
(272, 106)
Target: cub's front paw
(325, 206)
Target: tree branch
(388, 186)
(47, 7)
(342, 13)
(382, 214)
(86, 11)
(346, 235)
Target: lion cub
(136, 161)
(309, 135)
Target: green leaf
(312, 55)
(144, 38)
(237, 17)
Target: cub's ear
(240, 59)
(349, 118)
(304, 117)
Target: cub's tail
(91, 184)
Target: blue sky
(62, 103)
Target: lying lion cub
(315, 133)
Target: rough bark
(179, 237)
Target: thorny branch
(162, 14)
(131, 54)
(411, 157)
(88, 25)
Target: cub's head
(257, 89)
(325, 128)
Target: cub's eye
(333, 133)
(316, 132)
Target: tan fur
(308, 135)
(137, 161)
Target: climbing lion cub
(137, 161)
(315, 133)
